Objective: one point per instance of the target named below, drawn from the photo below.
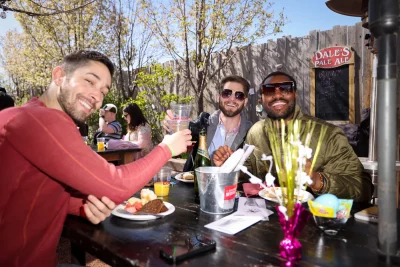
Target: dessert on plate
(147, 202)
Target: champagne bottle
(202, 158)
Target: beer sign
(332, 57)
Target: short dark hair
(137, 117)
(80, 58)
(277, 73)
(236, 79)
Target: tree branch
(34, 14)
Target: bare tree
(191, 31)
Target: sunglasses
(226, 93)
(285, 88)
(125, 115)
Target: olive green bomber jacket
(337, 161)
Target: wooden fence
(295, 54)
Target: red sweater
(43, 160)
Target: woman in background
(139, 130)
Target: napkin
(251, 189)
(253, 207)
(233, 223)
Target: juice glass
(162, 182)
(101, 143)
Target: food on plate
(187, 176)
(147, 195)
(155, 206)
(135, 204)
(271, 193)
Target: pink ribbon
(290, 247)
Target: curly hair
(137, 117)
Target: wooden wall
(257, 61)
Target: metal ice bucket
(217, 190)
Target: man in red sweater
(44, 162)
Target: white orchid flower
(265, 157)
(284, 211)
(304, 179)
(270, 158)
(269, 179)
(305, 151)
(297, 143)
(308, 152)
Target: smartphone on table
(185, 249)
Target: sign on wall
(332, 57)
(332, 84)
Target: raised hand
(221, 155)
(178, 142)
(168, 116)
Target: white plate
(133, 217)
(269, 195)
(179, 178)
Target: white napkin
(231, 163)
(253, 207)
(233, 224)
(248, 149)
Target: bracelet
(322, 180)
(172, 151)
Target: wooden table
(121, 156)
(121, 242)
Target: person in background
(337, 169)
(138, 129)
(53, 172)
(6, 100)
(109, 127)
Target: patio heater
(383, 24)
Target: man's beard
(289, 111)
(228, 113)
(69, 108)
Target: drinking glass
(101, 144)
(162, 182)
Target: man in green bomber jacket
(337, 169)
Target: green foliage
(154, 101)
(192, 31)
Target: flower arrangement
(290, 146)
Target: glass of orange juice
(162, 182)
(101, 143)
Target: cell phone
(184, 249)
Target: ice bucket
(217, 190)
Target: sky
(304, 16)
